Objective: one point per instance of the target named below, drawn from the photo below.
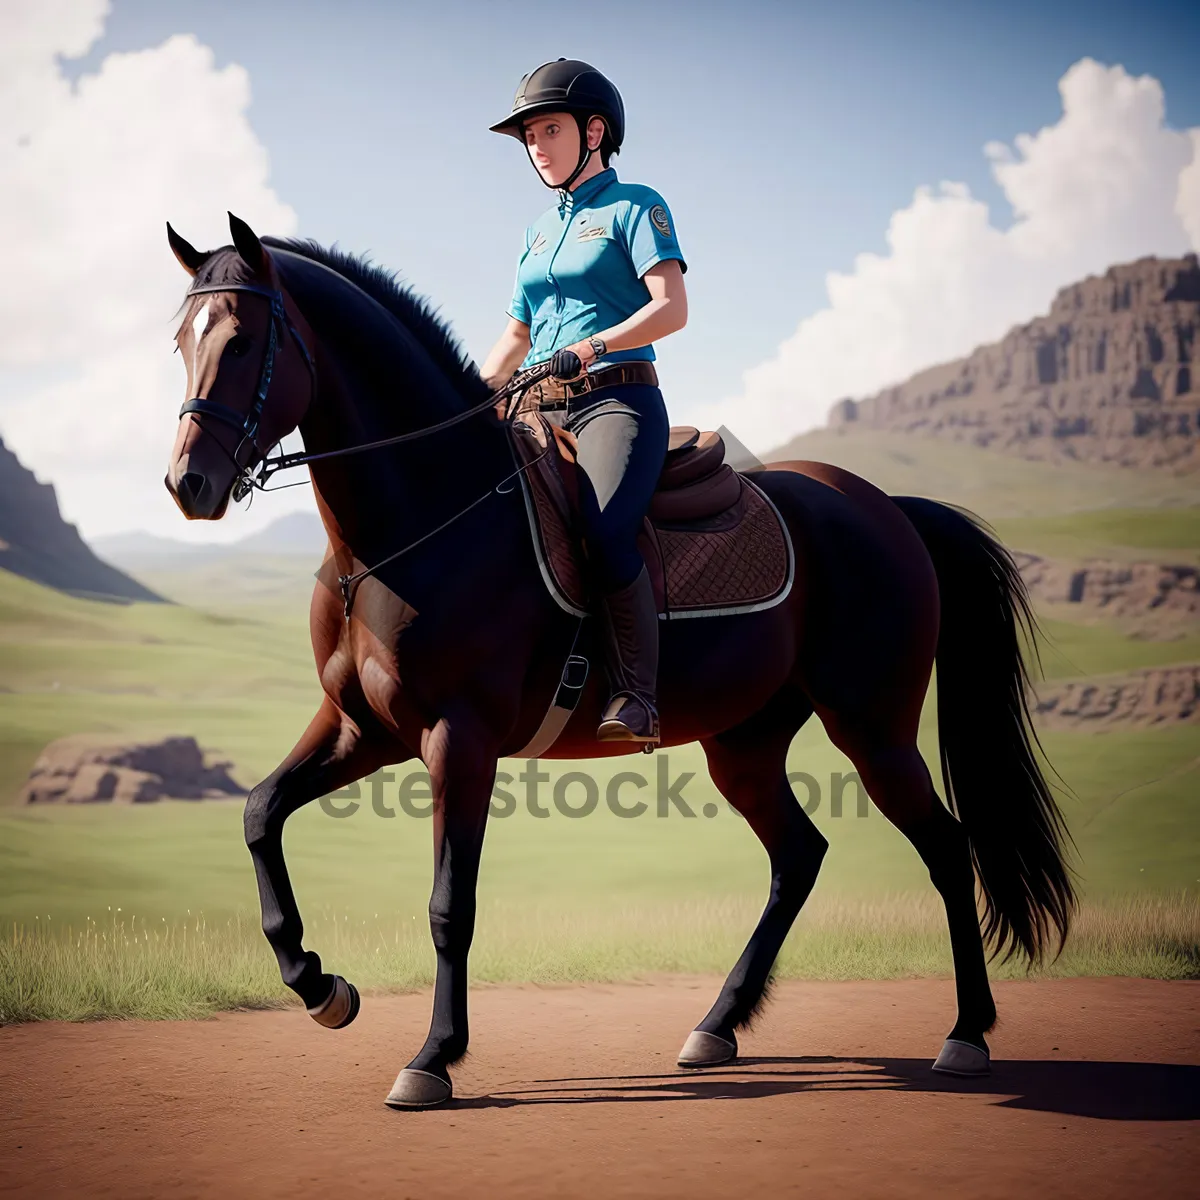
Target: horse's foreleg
(462, 774)
(748, 765)
(330, 755)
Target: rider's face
(553, 145)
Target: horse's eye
(239, 345)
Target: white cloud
(89, 173)
(1108, 183)
(1187, 204)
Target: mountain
(37, 543)
(296, 533)
(1109, 375)
(293, 533)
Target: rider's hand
(585, 351)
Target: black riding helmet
(568, 85)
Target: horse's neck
(381, 386)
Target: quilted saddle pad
(721, 547)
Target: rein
(348, 583)
(248, 480)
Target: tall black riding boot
(629, 618)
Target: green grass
(1134, 814)
(134, 967)
(1071, 650)
(1161, 534)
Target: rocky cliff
(87, 768)
(37, 543)
(1150, 599)
(1151, 698)
(1110, 374)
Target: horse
(453, 644)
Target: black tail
(993, 779)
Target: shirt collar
(586, 190)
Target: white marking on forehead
(200, 322)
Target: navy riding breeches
(622, 433)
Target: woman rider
(602, 276)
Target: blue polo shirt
(581, 271)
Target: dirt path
(573, 1091)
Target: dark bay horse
(454, 649)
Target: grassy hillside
(231, 666)
(241, 681)
(1134, 814)
(1161, 534)
(992, 484)
(242, 583)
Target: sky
(861, 188)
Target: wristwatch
(597, 344)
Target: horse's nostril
(192, 485)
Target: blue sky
(782, 134)
(825, 163)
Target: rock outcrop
(1152, 599)
(1110, 374)
(87, 768)
(1137, 700)
(37, 543)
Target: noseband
(247, 424)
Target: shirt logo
(590, 235)
(662, 222)
(539, 244)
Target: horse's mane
(413, 311)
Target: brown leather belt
(554, 393)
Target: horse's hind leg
(328, 756)
(898, 781)
(748, 766)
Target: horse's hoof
(418, 1089)
(963, 1058)
(706, 1050)
(340, 1009)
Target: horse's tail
(993, 779)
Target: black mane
(413, 311)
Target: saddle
(713, 541)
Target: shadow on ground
(1111, 1091)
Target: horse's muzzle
(196, 496)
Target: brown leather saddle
(713, 542)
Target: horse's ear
(246, 242)
(190, 259)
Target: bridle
(562, 363)
(247, 424)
